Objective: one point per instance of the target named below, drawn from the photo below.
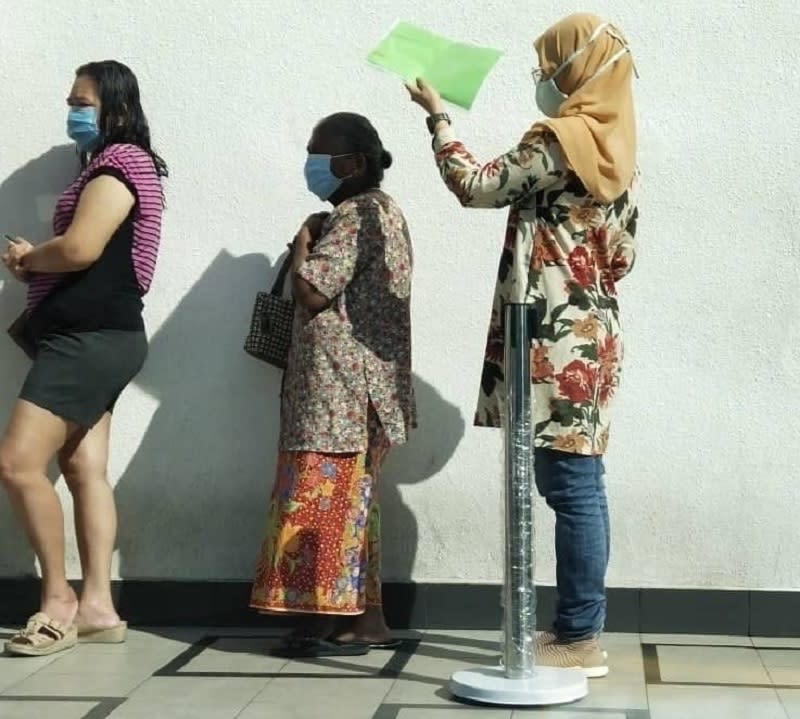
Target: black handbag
(21, 336)
(271, 326)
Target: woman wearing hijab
(570, 184)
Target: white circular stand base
(490, 685)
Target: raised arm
(533, 165)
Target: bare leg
(316, 626)
(84, 464)
(367, 628)
(33, 436)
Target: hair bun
(386, 159)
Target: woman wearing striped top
(84, 319)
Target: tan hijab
(595, 126)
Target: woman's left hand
(301, 247)
(12, 257)
(425, 96)
(315, 222)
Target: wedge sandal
(41, 637)
(106, 635)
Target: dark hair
(356, 134)
(122, 119)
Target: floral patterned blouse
(356, 353)
(564, 253)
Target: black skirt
(79, 376)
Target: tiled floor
(229, 674)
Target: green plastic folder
(456, 69)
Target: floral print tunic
(564, 253)
(357, 352)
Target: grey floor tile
(9, 660)
(422, 690)
(684, 702)
(783, 658)
(439, 667)
(92, 659)
(714, 665)
(625, 638)
(790, 699)
(319, 699)
(785, 676)
(238, 655)
(13, 670)
(157, 649)
(188, 709)
(462, 652)
(210, 690)
(453, 713)
(616, 694)
(625, 661)
(442, 635)
(78, 684)
(697, 639)
(470, 647)
(40, 709)
(368, 665)
(178, 638)
(568, 714)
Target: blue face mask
(82, 127)
(319, 176)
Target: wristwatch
(433, 120)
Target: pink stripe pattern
(137, 167)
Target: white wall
(703, 470)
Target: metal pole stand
(518, 681)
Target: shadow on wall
(193, 500)
(441, 428)
(27, 199)
(432, 444)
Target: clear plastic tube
(519, 592)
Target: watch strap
(433, 120)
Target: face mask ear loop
(595, 34)
(616, 33)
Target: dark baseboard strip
(446, 606)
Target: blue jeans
(573, 486)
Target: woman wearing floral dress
(347, 398)
(570, 184)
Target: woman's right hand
(426, 96)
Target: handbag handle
(280, 280)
